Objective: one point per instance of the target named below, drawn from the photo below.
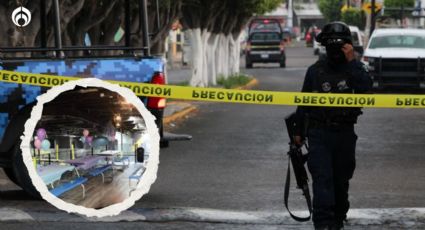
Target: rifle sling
(286, 195)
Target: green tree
(101, 19)
(214, 27)
(354, 16)
(222, 15)
(331, 9)
(399, 3)
(396, 6)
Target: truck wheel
(159, 115)
(248, 62)
(163, 143)
(21, 172)
(248, 65)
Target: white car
(316, 47)
(357, 39)
(396, 58)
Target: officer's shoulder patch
(365, 67)
(326, 87)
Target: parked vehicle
(357, 39)
(264, 25)
(266, 42)
(396, 58)
(316, 47)
(310, 35)
(265, 47)
(132, 64)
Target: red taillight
(365, 59)
(282, 46)
(157, 102)
(158, 78)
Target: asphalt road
(237, 158)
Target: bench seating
(100, 171)
(121, 162)
(69, 186)
(136, 175)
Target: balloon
(100, 141)
(85, 132)
(41, 134)
(111, 136)
(37, 144)
(83, 139)
(45, 145)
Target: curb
(178, 115)
(250, 85)
(402, 218)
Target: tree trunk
(234, 54)
(197, 57)
(223, 56)
(205, 37)
(211, 58)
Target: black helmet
(332, 31)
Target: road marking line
(13, 214)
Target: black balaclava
(333, 36)
(335, 54)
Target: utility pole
(421, 20)
(372, 18)
(290, 22)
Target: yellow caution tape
(236, 96)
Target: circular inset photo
(91, 147)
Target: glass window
(355, 38)
(269, 26)
(265, 37)
(398, 41)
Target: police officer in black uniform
(330, 130)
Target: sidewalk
(397, 218)
(178, 75)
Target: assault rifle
(298, 160)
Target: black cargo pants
(331, 164)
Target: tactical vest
(328, 80)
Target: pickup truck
(396, 58)
(131, 64)
(266, 43)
